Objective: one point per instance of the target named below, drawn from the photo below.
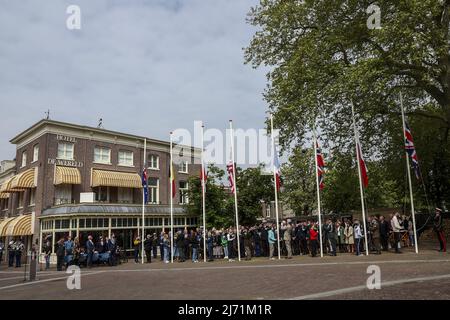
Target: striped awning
(20, 226)
(6, 185)
(4, 195)
(67, 175)
(24, 180)
(103, 178)
(4, 225)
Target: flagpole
(360, 181)
(171, 197)
(238, 232)
(318, 191)
(275, 186)
(203, 194)
(416, 245)
(143, 201)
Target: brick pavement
(256, 279)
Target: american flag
(320, 166)
(231, 175)
(409, 146)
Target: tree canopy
(323, 57)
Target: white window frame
(125, 154)
(151, 167)
(150, 192)
(66, 191)
(24, 159)
(108, 194)
(32, 197)
(35, 153)
(182, 169)
(65, 151)
(184, 198)
(21, 200)
(101, 155)
(125, 191)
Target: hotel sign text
(60, 137)
(66, 163)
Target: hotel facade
(69, 179)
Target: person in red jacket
(313, 235)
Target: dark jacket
(89, 246)
(60, 250)
(384, 228)
(438, 223)
(180, 240)
(148, 244)
(195, 242)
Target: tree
(322, 57)
(254, 188)
(216, 199)
(299, 184)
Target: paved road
(404, 276)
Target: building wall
(84, 153)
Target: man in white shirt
(396, 228)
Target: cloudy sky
(145, 67)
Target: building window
(184, 167)
(21, 194)
(153, 162)
(184, 192)
(36, 153)
(32, 197)
(102, 155)
(102, 194)
(63, 194)
(24, 159)
(153, 190)
(5, 204)
(126, 158)
(65, 151)
(125, 195)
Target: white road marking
(233, 267)
(331, 293)
(279, 265)
(46, 280)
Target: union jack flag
(320, 166)
(409, 146)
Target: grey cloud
(145, 67)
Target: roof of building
(109, 209)
(45, 122)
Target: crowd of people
(296, 238)
(300, 237)
(15, 249)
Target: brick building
(78, 180)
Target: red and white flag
(203, 176)
(320, 166)
(363, 167)
(277, 169)
(230, 171)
